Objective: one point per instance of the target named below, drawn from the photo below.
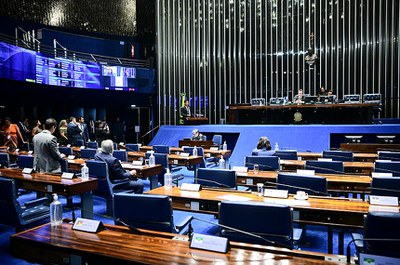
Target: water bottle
(55, 211)
(224, 146)
(167, 180)
(85, 172)
(221, 163)
(195, 152)
(152, 159)
(276, 147)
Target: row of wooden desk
(117, 245)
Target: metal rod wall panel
(221, 52)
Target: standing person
(102, 133)
(23, 128)
(37, 129)
(62, 131)
(185, 110)
(116, 172)
(91, 125)
(73, 131)
(84, 128)
(11, 134)
(47, 157)
(118, 130)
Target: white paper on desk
(241, 174)
(71, 161)
(235, 198)
(130, 166)
(288, 202)
(376, 208)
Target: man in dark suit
(91, 128)
(185, 110)
(73, 132)
(115, 170)
(85, 132)
(47, 157)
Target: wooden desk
(362, 157)
(369, 148)
(52, 183)
(173, 159)
(194, 120)
(207, 152)
(331, 212)
(349, 167)
(205, 144)
(336, 182)
(116, 245)
(143, 172)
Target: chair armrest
(358, 243)
(36, 202)
(184, 222)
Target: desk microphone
(270, 242)
(297, 187)
(223, 186)
(366, 240)
(325, 168)
(116, 220)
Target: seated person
(263, 147)
(196, 135)
(115, 170)
(299, 98)
(322, 92)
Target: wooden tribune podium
(205, 144)
(194, 120)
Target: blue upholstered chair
(386, 155)
(293, 182)
(273, 222)
(147, 211)
(386, 186)
(219, 178)
(204, 137)
(325, 167)
(122, 155)
(217, 139)
(92, 145)
(380, 225)
(15, 215)
(65, 150)
(132, 147)
(88, 153)
(79, 142)
(4, 160)
(200, 152)
(105, 189)
(258, 152)
(162, 159)
(25, 161)
(161, 149)
(336, 155)
(388, 167)
(265, 163)
(286, 154)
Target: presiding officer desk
(53, 183)
(117, 245)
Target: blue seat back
(132, 147)
(79, 142)
(271, 221)
(258, 152)
(92, 145)
(161, 149)
(382, 225)
(325, 167)
(286, 154)
(265, 163)
(25, 161)
(217, 139)
(88, 153)
(338, 155)
(386, 186)
(99, 170)
(65, 150)
(386, 155)
(145, 211)
(293, 182)
(121, 155)
(220, 178)
(4, 160)
(388, 167)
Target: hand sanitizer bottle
(55, 211)
(224, 146)
(221, 163)
(85, 172)
(167, 180)
(152, 159)
(195, 152)
(276, 147)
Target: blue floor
(315, 240)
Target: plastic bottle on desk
(167, 179)
(55, 211)
(85, 172)
(152, 159)
(195, 151)
(221, 163)
(224, 146)
(276, 147)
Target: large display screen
(25, 65)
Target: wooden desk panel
(349, 167)
(207, 152)
(362, 157)
(116, 245)
(205, 144)
(369, 148)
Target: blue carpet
(316, 238)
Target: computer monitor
(327, 99)
(310, 99)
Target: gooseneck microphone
(270, 242)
